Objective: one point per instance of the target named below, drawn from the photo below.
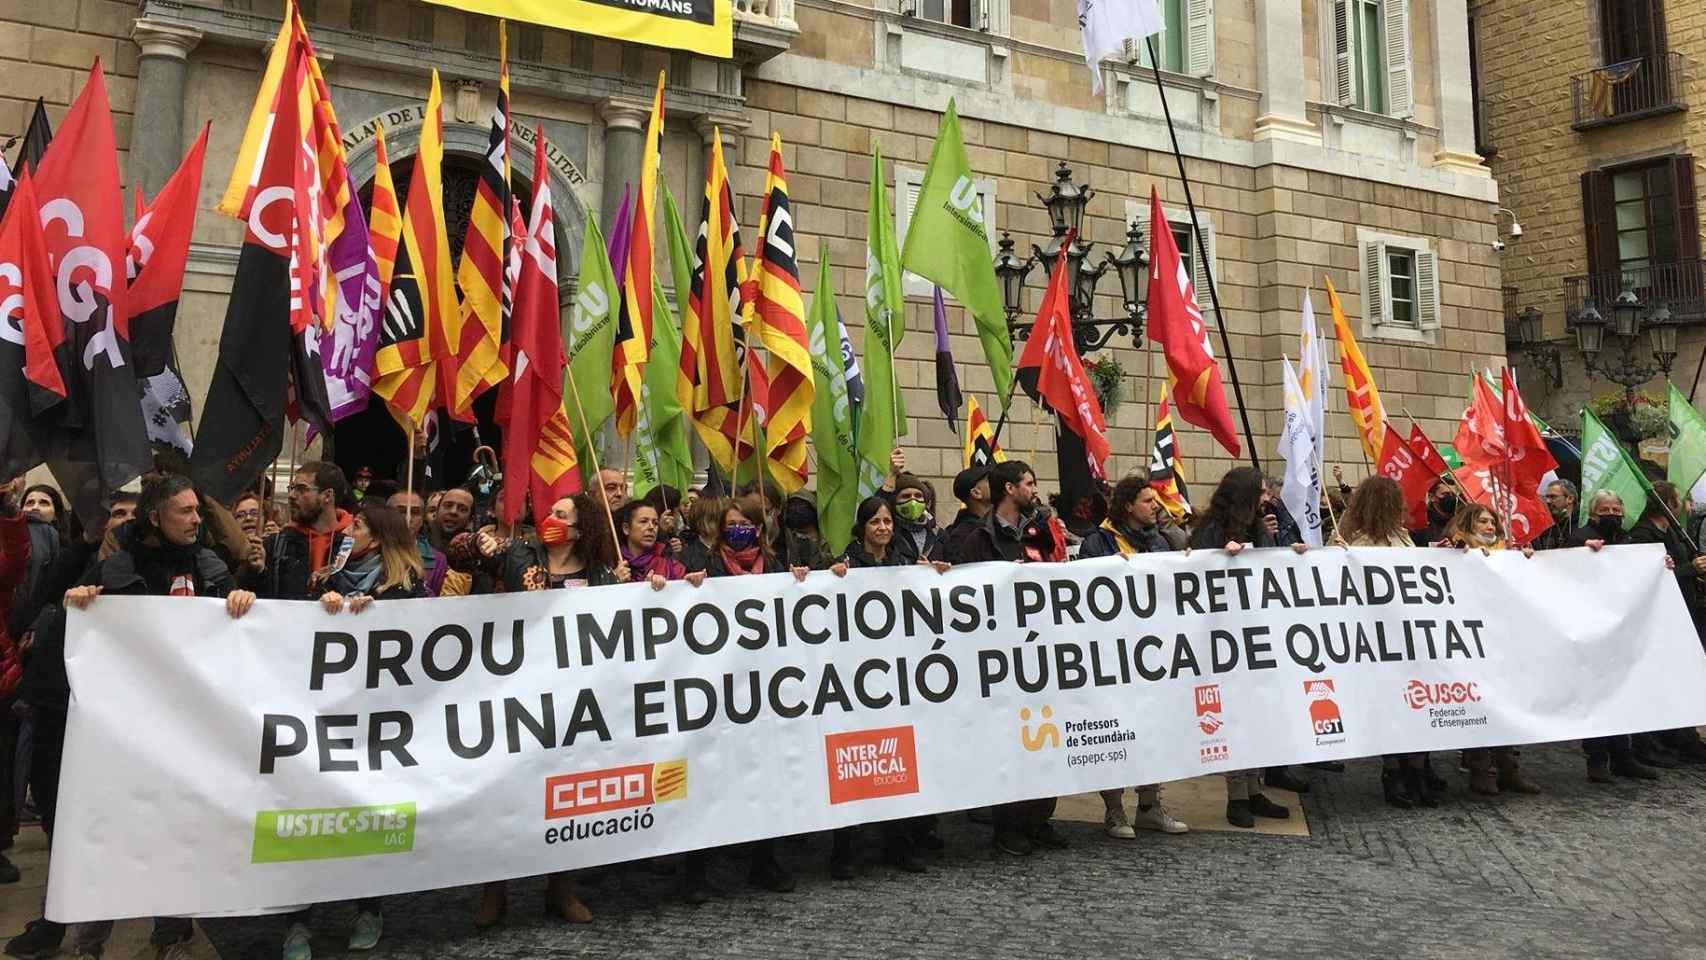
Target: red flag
(1426, 452)
(1521, 509)
(539, 448)
(159, 250)
(30, 380)
(1176, 323)
(1481, 434)
(1057, 375)
(1399, 462)
(1530, 460)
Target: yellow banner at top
(703, 26)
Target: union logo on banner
(864, 764)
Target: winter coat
(859, 558)
(1683, 556)
(526, 566)
(1108, 541)
(1211, 536)
(951, 544)
(14, 567)
(289, 570)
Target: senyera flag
(477, 332)
(633, 344)
(712, 387)
(1050, 369)
(780, 314)
(1176, 324)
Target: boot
(494, 903)
(1419, 791)
(1511, 779)
(1393, 786)
(1599, 770)
(695, 888)
(1435, 782)
(1627, 766)
(561, 902)
(1238, 814)
(1482, 779)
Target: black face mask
(1446, 506)
(799, 516)
(1608, 527)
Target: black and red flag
(30, 382)
(98, 442)
(1050, 370)
(159, 251)
(36, 138)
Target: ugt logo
(1046, 735)
(1208, 709)
(1324, 715)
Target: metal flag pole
(1202, 252)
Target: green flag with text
(1606, 466)
(589, 345)
(832, 418)
(882, 417)
(947, 243)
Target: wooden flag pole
(1202, 254)
(409, 470)
(592, 451)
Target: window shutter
(1199, 37)
(1687, 209)
(1344, 58)
(1398, 100)
(1200, 270)
(1427, 290)
(1374, 282)
(1599, 222)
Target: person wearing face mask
(1442, 506)
(741, 549)
(1491, 769)
(1659, 523)
(704, 526)
(799, 520)
(915, 528)
(570, 548)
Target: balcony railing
(1681, 286)
(1630, 90)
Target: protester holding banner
(1561, 504)
(1375, 518)
(1658, 524)
(1233, 522)
(1442, 506)
(159, 555)
(971, 488)
(647, 557)
(704, 528)
(915, 527)
(434, 566)
(1134, 510)
(314, 538)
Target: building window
(1186, 46)
(1370, 43)
(1642, 226)
(1631, 29)
(1179, 223)
(908, 181)
(957, 13)
(1400, 287)
(1477, 101)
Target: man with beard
(1442, 505)
(971, 489)
(300, 554)
(1561, 503)
(454, 515)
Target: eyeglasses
(296, 488)
(247, 514)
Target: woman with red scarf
(648, 557)
(742, 548)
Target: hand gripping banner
(295, 756)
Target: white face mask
(1487, 539)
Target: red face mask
(553, 531)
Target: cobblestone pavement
(1583, 871)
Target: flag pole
(409, 470)
(1202, 253)
(995, 438)
(1448, 476)
(592, 451)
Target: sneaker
(1045, 835)
(298, 943)
(1238, 814)
(364, 933)
(40, 939)
(9, 870)
(1157, 818)
(1261, 806)
(1014, 843)
(1117, 826)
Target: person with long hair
(1491, 769)
(1234, 522)
(1375, 518)
(643, 550)
(704, 526)
(874, 544)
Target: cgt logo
(614, 788)
(1208, 709)
(865, 764)
(1324, 715)
(1421, 695)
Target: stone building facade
(1605, 187)
(1323, 138)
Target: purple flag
(617, 245)
(347, 359)
(947, 379)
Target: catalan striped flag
(414, 336)
(713, 340)
(1364, 396)
(981, 448)
(385, 229)
(634, 315)
(1166, 467)
(780, 314)
(477, 328)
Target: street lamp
(1065, 203)
(1629, 318)
(1530, 337)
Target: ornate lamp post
(1528, 334)
(1629, 319)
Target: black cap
(966, 479)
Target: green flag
(948, 244)
(661, 452)
(1687, 442)
(589, 346)
(882, 417)
(1606, 466)
(832, 420)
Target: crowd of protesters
(348, 546)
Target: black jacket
(288, 572)
(695, 556)
(995, 539)
(951, 544)
(858, 557)
(1558, 536)
(1210, 536)
(906, 546)
(1580, 536)
(526, 566)
(1101, 542)
(1683, 556)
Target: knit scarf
(655, 559)
(359, 575)
(1125, 538)
(750, 560)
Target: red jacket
(14, 565)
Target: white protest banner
(294, 756)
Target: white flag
(6, 181)
(1302, 492)
(1312, 376)
(1107, 24)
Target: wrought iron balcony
(1681, 286)
(1630, 90)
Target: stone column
(157, 136)
(1279, 73)
(1456, 93)
(624, 138)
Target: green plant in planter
(1646, 418)
(1106, 375)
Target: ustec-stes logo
(1324, 716)
(864, 764)
(614, 788)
